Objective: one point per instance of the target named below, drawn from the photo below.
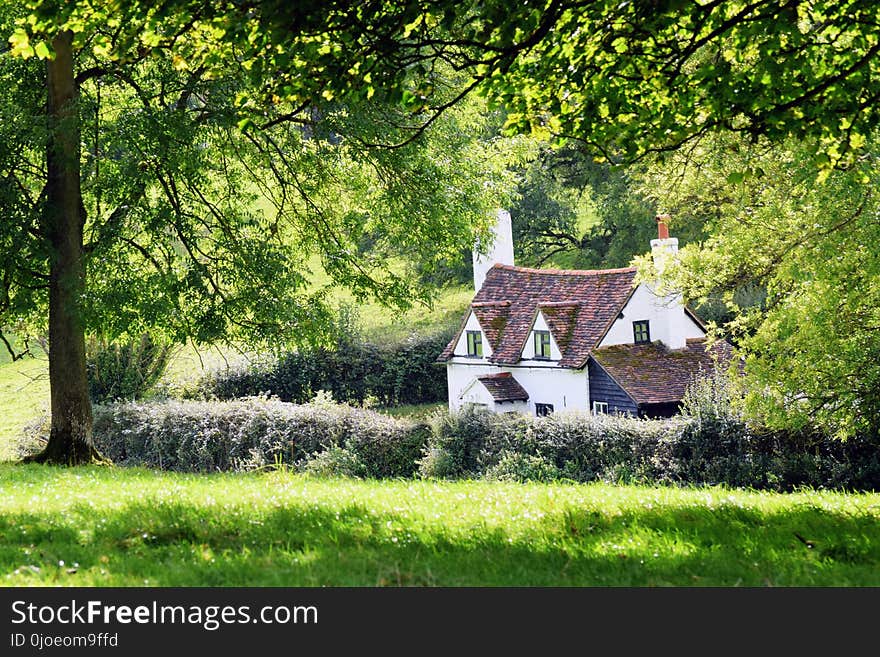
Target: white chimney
(664, 247)
(669, 322)
(499, 251)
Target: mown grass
(117, 527)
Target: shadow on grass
(187, 544)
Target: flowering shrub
(200, 436)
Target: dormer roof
(493, 317)
(578, 305)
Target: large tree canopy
(307, 90)
(628, 78)
(812, 354)
(136, 199)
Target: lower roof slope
(503, 387)
(654, 374)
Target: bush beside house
(353, 371)
(326, 438)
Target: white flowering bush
(202, 436)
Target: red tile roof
(492, 316)
(579, 306)
(503, 387)
(654, 374)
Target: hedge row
(199, 436)
(328, 438)
(681, 450)
(354, 371)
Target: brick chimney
(500, 250)
(664, 246)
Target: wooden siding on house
(655, 411)
(604, 389)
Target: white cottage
(545, 340)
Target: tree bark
(70, 439)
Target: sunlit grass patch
(129, 527)
(24, 397)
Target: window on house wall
(641, 334)
(543, 409)
(600, 408)
(542, 344)
(475, 344)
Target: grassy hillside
(118, 527)
(24, 396)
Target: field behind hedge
(133, 527)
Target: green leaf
(42, 51)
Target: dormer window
(542, 344)
(475, 344)
(641, 334)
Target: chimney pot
(662, 228)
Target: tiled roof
(654, 374)
(561, 317)
(579, 306)
(503, 387)
(492, 316)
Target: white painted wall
(499, 252)
(472, 324)
(566, 389)
(528, 352)
(667, 320)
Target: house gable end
(669, 321)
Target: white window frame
(539, 341)
(600, 408)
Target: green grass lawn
(125, 527)
(24, 396)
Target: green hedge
(198, 436)
(716, 449)
(354, 371)
(323, 437)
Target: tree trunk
(70, 439)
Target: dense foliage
(353, 371)
(709, 444)
(574, 211)
(805, 241)
(619, 450)
(254, 433)
(627, 78)
(125, 369)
